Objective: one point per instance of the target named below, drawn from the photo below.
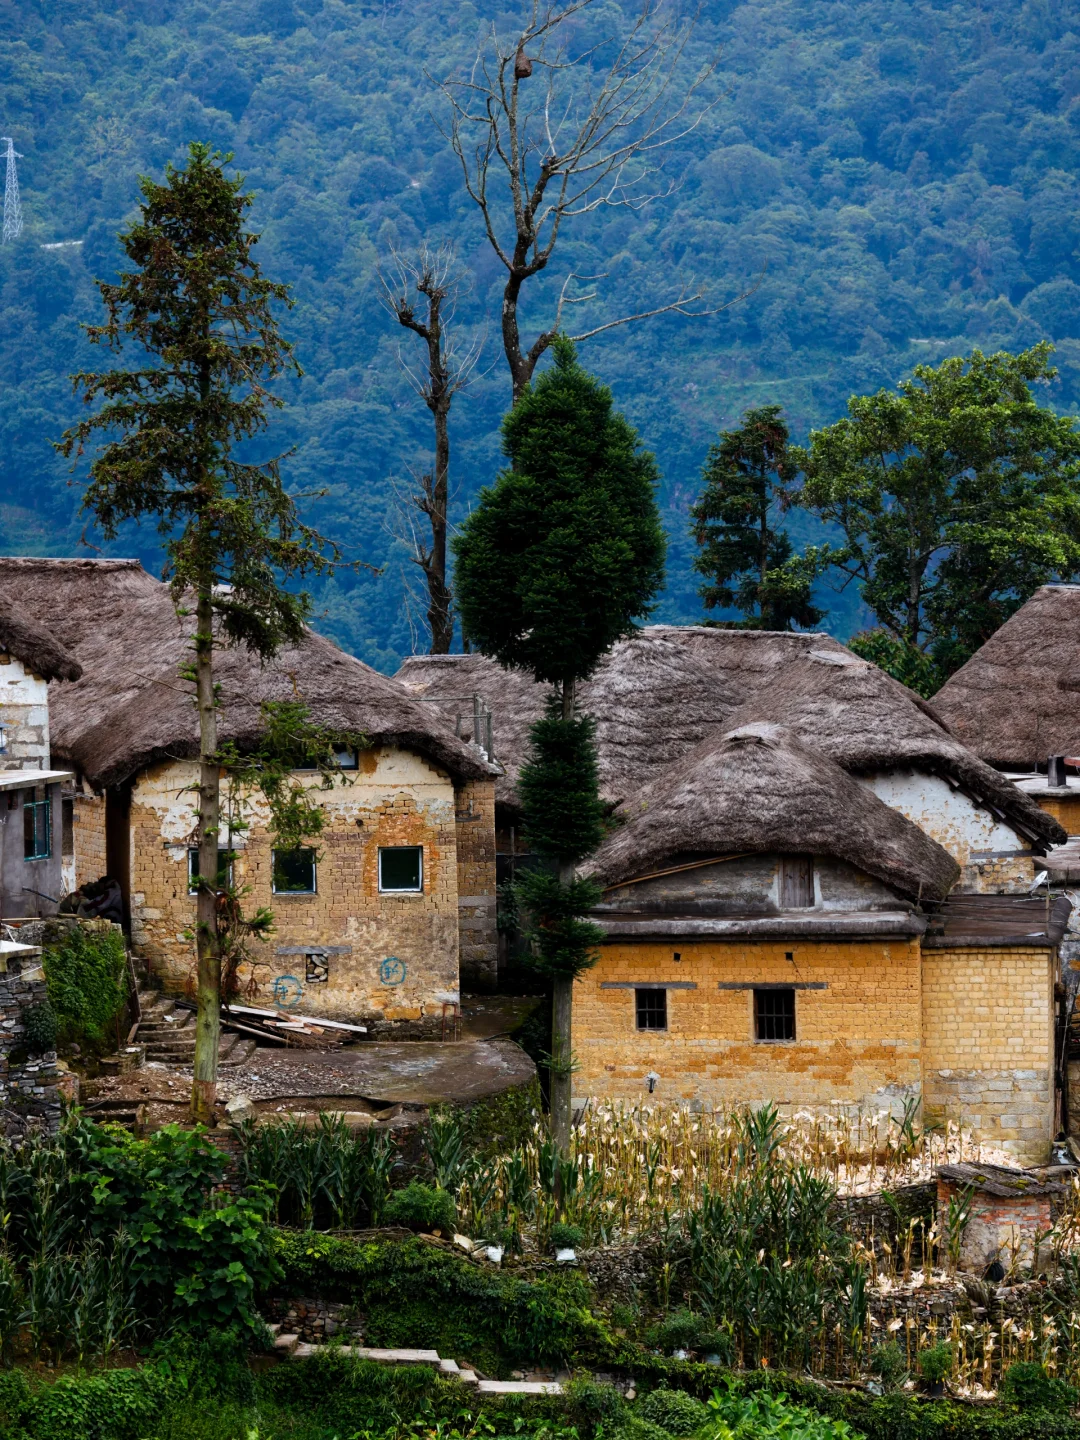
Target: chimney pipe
(1056, 776)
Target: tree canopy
(957, 494)
(749, 563)
(910, 176)
(565, 551)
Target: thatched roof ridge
(1015, 702)
(668, 688)
(760, 789)
(130, 709)
(32, 644)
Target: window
(37, 829)
(294, 871)
(401, 869)
(224, 874)
(774, 1013)
(345, 757)
(651, 1009)
(796, 882)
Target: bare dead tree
(435, 277)
(576, 138)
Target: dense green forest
(905, 176)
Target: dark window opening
(224, 873)
(67, 827)
(774, 1014)
(796, 882)
(317, 967)
(401, 868)
(294, 871)
(651, 1009)
(345, 757)
(37, 829)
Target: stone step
(286, 1345)
(519, 1387)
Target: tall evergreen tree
(560, 557)
(198, 305)
(748, 562)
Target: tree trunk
(208, 1018)
(521, 366)
(562, 1009)
(439, 599)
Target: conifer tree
(560, 557)
(198, 305)
(748, 562)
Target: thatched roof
(32, 644)
(130, 709)
(1017, 700)
(760, 789)
(661, 693)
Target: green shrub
(935, 1362)
(39, 1027)
(637, 1428)
(85, 978)
(1029, 1387)
(681, 1330)
(889, 1364)
(591, 1404)
(674, 1411)
(767, 1414)
(415, 1293)
(421, 1207)
(569, 1237)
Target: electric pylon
(12, 204)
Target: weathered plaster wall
(995, 860)
(24, 712)
(28, 887)
(476, 885)
(857, 1039)
(393, 959)
(748, 883)
(988, 1038)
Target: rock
(495, 1254)
(465, 1243)
(680, 1354)
(565, 1257)
(239, 1109)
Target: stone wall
(858, 1023)
(389, 960)
(29, 1089)
(988, 1038)
(24, 711)
(476, 885)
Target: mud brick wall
(998, 1226)
(857, 1036)
(1064, 808)
(476, 885)
(88, 824)
(391, 959)
(988, 1038)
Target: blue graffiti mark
(392, 971)
(288, 992)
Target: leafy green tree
(198, 304)
(559, 558)
(749, 564)
(957, 495)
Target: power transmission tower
(12, 204)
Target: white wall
(24, 713)
(993, 857)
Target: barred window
(774, 1013)
(651, 1009)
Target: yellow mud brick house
(814, 893)
(382, 920)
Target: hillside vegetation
(905, 177)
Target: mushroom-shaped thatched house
(369, 927)
(792, 831)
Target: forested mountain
(905, 175)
